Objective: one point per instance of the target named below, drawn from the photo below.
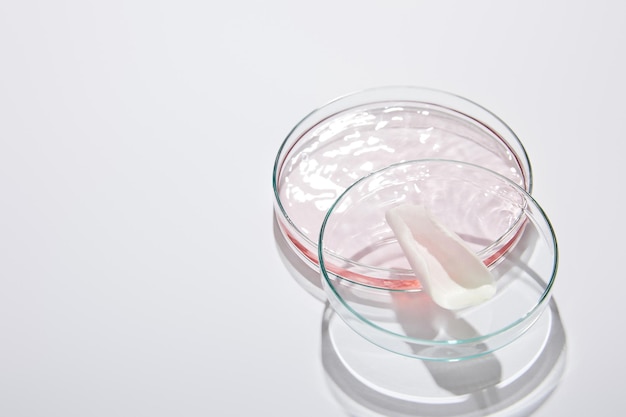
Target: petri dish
(368, 282)
(361, 132)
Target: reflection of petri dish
(357, 134)
(369, 284)
(515, 380)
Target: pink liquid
(340, 150)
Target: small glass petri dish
(354, 135)
(369, 283)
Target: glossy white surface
(138, 269)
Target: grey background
(138, 271)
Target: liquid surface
(345, 147)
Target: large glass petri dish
(354, 135)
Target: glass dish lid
(410, 309)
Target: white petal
(448, 270)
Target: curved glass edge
(458, 350)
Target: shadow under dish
(514, 381)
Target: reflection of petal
(421, 318)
